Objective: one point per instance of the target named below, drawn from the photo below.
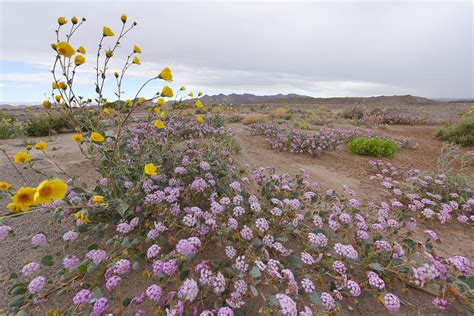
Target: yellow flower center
(45, 191)
(24, 197)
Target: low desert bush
(461, 133)
(254, 118)
(353, 114)
(9, 127)
(235, 119)
(216, 121)
(281, 113)
(374, 147)
(45, 125)
(303, 125)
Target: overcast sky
(322, 49)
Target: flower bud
(123, 18)
(62, 20)
(74, 20)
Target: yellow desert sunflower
(77, 138)
(24, 198)
(40, 146)
(97, 137)
(159, 124)
(65, 49)
(98, 199)
(150, 169)
(4, 185)
(165, 74)
(79, 60)
(22, 157)
(49, 190)
(166, 92)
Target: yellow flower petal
(50, 190)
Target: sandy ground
(331, 170)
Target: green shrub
(461, 133)
(9, 126)
(303, 125)
(216, 121)
(44, 125)
(374, 147)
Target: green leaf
(295, 262)
(376, 266)
(47, 260)
(22, 313)
(255, 272)
(92, 247)
(17, 301)
(126, 301)
(136, 266)
(82, 269)
(254, 291)
(315, 298)
(18, 288)
(97, 292)
(184, 274)
(256, 242)
(13, 275)
(122, 208)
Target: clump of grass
(461, 133)
(254, 118)
(374, 147)
(281, 113)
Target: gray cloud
(317, 48)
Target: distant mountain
(293, 98)
(249, 98)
